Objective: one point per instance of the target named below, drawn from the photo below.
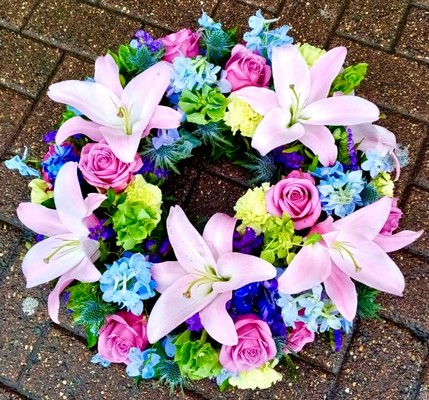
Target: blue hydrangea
(376, 163)
(18, 163)
(142, 363)
(57, 156)
(165, 137)
(192, 73)
(339, 191)
(99, 359)
(314, 308)
(261, 39)
(207, 22)
(128, 282)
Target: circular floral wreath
(306, 249)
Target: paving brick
(412, 309)
(383, 362)
(411, 134)
(19, 331)
(393, 81)
(320, 353)
(424, 388)
(183, 14)
(423, 171)
(180, 185)
(99, 30)
(272, 5)
(6, 394)
(416, 217)
(63, 370)
(212, 195)
(47, 113)
(13, 14)
(311, 384)
(231, 171)
(311, 21)
(12, 109)
(208, 389)
(236, 14)
(413, 40)
(376, 22)
(25, 64)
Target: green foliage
(279, 240)
(341, 138)
(367, 305)
(196, 358)
(204, 106)
(313, 238)
(349, 79)
(88, 308)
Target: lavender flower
(354, 164)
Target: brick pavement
(43, 41)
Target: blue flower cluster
(58, 155)
(339, 190)
(260, 298)
(128, 282)
(192, 73)
(207, 22)
(143, 38)
(313, 308)
(262, 39)
(376, 163)
(142, 363)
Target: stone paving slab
(55, 21)
(14, 14)
(25, 64)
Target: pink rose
(184, 42)
(102, 169)
(298, 196)
(245, 68)
(392, 222)
(120, 333)
(299, 337)
(254, 348)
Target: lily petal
(40, 219)
(69, 201)
(324, 72)
(310, 267)
(273, 131)
(241, 269)
(374, 137)
(77, 125)
(340, 110)
(397, 241)
(163, 118)
(36, 267)
(372, 217)
(217, 322)
(123, 146)
(107, 73)
(84, 272)
(342, 291)
(190, 249)
(376, 268)
(166, 273)
(320, 141)
(92, 202)
(262, 100)
(290, 69)
(92, 99)
(173, 308)
(218, 234)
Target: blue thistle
(212, 133)
(263, 168)
(217, 44)
(169, 373)
(369, 195)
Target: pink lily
(299, 108)
(203, 278)
(122, 116)
(67, 253)
(351, 248)
(374, 137)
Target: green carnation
(383, 184)
(202, 107)
(349, 79)
(251, 209)
(139, 214)
(280, 240)
(196, 359)
(310, 53)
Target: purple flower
(50, 137)
(291, 160)
(338, 340)
(248, 242)
(194, 323)
(354, 164)
(100, 231)
(144, 38)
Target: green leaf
(313, 238)
(91, 339)
(367, 305)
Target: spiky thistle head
(145, 58)
(212, 133)
(369, 194)
(169, 373)
(263, 168)
(217, 44)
